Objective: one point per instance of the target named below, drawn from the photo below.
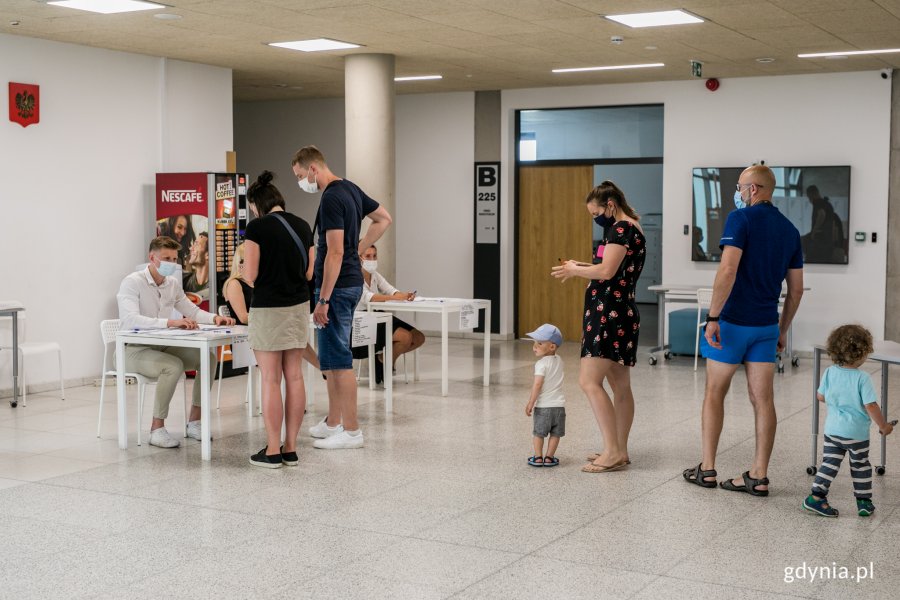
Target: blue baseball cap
(546, 333)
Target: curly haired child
(852, 406)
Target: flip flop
(592, 468)
(550, 461)
(592, 457)
(533, 461)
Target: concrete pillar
(486, 269)
(892, 301)
(369, 119)
(487, 126)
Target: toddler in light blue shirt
(852, 406)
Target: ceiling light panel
(610, 68)
(849, 53)
(418, 78)
(108, 7)
(317, 45)
(655, 19)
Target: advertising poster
(182, 209)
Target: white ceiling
(478, 44)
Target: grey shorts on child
(550, 421)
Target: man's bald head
(762, 177)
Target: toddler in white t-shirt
(547, 401)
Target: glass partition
(591, 133)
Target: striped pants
(860, 469)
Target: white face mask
(370, 266)
(307, 186)
(167, 269)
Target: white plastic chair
(704, 298)
(108, 331)
(27, 349)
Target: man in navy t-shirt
(760, 249)
(339, 281)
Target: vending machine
(207, 214)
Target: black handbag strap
(304, 253)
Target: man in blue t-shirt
(339, 282)
(760, 249)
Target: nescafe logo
(181, 196)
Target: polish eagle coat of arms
(24, 104)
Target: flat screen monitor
(815, 199)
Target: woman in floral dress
(611, 322)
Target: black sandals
(749, 486)
(698, 476)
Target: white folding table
(887, 353)
(203, 340)
(443, 307)
(12, 310)
(687, 294)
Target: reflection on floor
(440, 503)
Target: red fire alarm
(712, 84)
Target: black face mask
(604, 221)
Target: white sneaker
(193, 430)
(161, 438)
(340, 441)
(322, 430)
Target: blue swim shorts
(742, 344)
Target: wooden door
(553, 224)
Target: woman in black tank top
(236, 291)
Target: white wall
(266, 135)
(435, 230)
(76, 186)
(435, 145)
(197, 120)
(794, 120)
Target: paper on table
(363, 332)
(241, 355)
(171, 332)
(468, 317)
(205, 327)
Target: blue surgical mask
(603, 221)
(738, 201)
(167, 269)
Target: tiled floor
(439, 504)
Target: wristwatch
(323, 301)
(710, 319)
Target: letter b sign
(487, 176)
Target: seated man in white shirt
(146, 300)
